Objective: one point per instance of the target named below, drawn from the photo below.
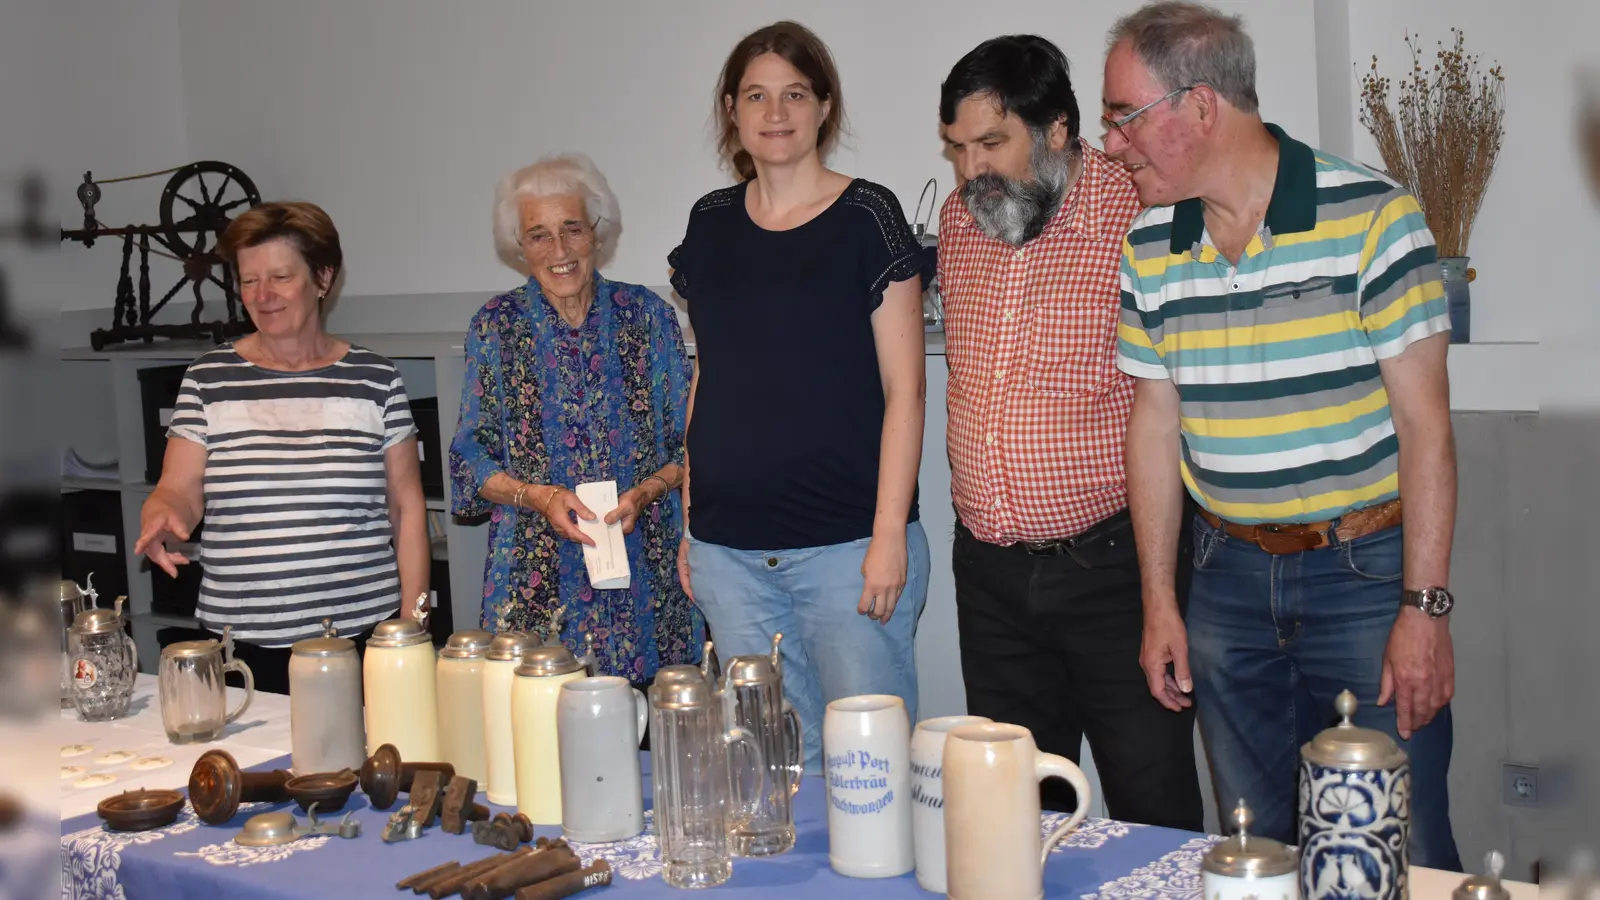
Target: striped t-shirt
(296, 504)
(1284, 417)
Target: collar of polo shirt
(1294, 197)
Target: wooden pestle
(217, 786)
(458, 879)
(566, 885)
(384, 777)
(556, 859)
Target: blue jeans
(1273, 639)
(829, 650)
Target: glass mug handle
(238, 665)
(794, 743)
(748, 804)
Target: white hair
(556, 175)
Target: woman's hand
(884, 573)
(559, 509)
(683, 567)
(158, 521)
(628, 506)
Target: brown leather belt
(1300, 537)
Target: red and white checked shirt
(1038, 410)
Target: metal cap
(681, 687)
(402, 632)
(330, 644)
(192, 649)
(511, 645)
(99, 621)
(1247, 856)
(1486, 886)
(1351, 747)
(71, 592)
(752, 669)
(267, 830)
(552, 659)
(467, 645)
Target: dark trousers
(270, 665)
(1050, 641)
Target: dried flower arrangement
(1442, 139)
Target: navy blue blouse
(784, 438)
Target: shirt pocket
(1314, 296)
(1070, 344)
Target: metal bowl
(267, 830)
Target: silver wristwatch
(1435, 601)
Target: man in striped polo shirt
(1283, 314)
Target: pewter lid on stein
(753, 669)
(680, 687)
(71, 592)
(467, 645)
(1248, 856)
(99, 621)
(1349, 746)
(551, 659)
(511, 645)
(192, 649)
(401, 632)
(1486, 886)
(330, 644)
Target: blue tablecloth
(188, 860)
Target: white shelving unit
(108, 383)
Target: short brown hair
(305, 225)
(809, 55)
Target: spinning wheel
(197, 205)
(205, 207)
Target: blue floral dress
(547, 403)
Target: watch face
(1436, 602)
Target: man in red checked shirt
(1047, 576)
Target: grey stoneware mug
(600, 723)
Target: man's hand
(1166, 641)
(1419, 669)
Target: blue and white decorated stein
(1355, 813)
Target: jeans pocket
(1375, 557)
(1206, 540)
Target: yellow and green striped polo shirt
(1284, 417)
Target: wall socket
(1521, 785)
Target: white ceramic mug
(927, 796)
(866, 746)
(600, 723)
(991, 811)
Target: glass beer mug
(752, 696)
(696, 800)
(194, 700)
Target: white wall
(399, 115)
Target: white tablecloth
(122, 748)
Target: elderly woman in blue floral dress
(572, 378)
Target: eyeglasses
(575, 236)
(1117, 125)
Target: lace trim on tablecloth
(1175, 876)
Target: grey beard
(1016, 212)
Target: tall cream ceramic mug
(927, 796)
(991, 811)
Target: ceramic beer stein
(866, 749)
(499, 671)
(401, 693)
(459, 675)
(1355, 812)
(534, 692)
(991, 811)
(194, 698)
(927, 797)
(1245, 867)
(600, 723)
(326, 731)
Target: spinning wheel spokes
(187, 235)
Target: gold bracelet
(550, 499)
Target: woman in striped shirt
(299, 451)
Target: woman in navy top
(804, 289)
